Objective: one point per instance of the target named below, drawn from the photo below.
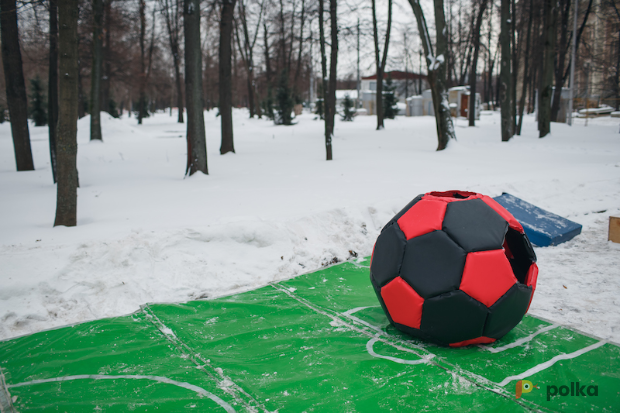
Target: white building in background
(407, 84)
(458, 98)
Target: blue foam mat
(543, 228)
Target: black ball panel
(453, 317)
(433, 264)
(474, 225)
(508, 311)
(388, 255)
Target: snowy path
(277, 209)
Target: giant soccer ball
(454, 268)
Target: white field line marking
(5, 397)
(371, 351)
(159, 379)
(339, 320)
(356, 309)
(473, 378)
(349, 315)
(225, 382)
(518, 342)
(549, 363)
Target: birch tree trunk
(66, 197)
(196, 139)
(436, 70)
(15, 85)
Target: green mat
(315, 343)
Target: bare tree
(329, 88)
(172, 11)
(473, 78)
(52, 84)
(562, 50)
(146, 60)
(506, 89)
(550, 11)
(95, 72)
(380, 61)
(15, 85)
(66, 198)
(225, 81)
(526, 65)
(435, 61)
(196, 139)
(247, 51)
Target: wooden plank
(614, 229)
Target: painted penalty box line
(429, 358)
(543, 366)
(226, 384)
(160, 379)
(520, 341)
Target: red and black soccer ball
(454, 268)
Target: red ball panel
(487, 276)
(512, 221)
(424, 217)
(479, 340)
(403, 303)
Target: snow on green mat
(315, 343)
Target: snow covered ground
(276, 208)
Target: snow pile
(277, 209)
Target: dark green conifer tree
(390, 108)
(347, 109)
(38, 102)
(284, 100)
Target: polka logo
(524, 386)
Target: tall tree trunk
(196, 139)
(107, 66)
(329, 90)
(225, 80)
(171, 10)
(380, 62)
(471, 112)
(268, 70)
(436, 64)
(178, 80)
(66, 197)
(15, 85)
(545, 89)
(247, 55)
(301, 43)
(95, 81)
(52, 94)
(505, 74)
(333, 73)
(561, 57)
(526, 67)
(142, 78)
(515, 66)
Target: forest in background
(64, 59)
